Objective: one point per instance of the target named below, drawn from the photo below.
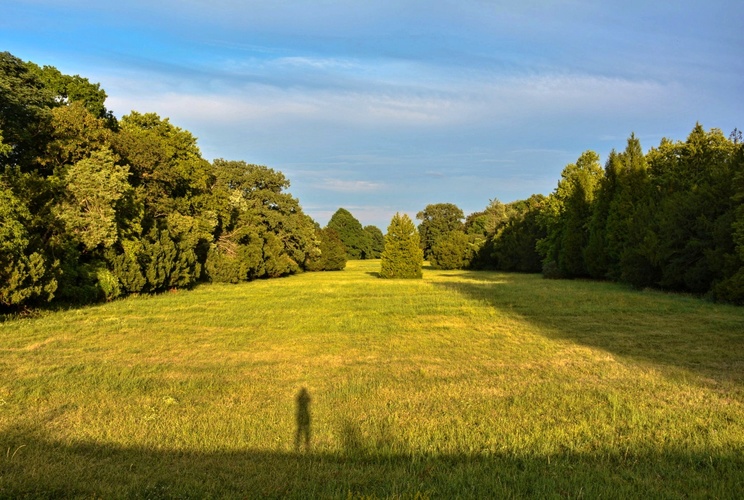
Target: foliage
(25, 113)
(731, 287)
(665, 219)
(437, 221)
(261, 231)
(514, 247)
(25, 275)
(352, 234)
(67, 89)
(694, 209)
(670, 218)
(596, 254)
(504, 236)
(402, 257)
(567, 214)
(376, 241)
(94, 208)
(92, 187)
(452, 251)
(331, 255)
(489, 221)
(628, 231)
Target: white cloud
(349, 186)
(215, 108)
(380, 94)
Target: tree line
(671, 218)
(93, 207)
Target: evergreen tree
(452, 251)
(568, 214)
(376, 242)
(484, 228)
(25, 274)
(731, 288)
(261, 231)
(630, 233)
(92, 208)
(513, 248)
(25, 113)
(332, 250)
(352, 233)
(695, 209)
(402, 257)
(595, 254)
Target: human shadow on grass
(34, 465)
(302, 434)
(650, 327)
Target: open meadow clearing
(470, 384)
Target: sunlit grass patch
(459, 384)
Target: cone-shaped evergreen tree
(403, 257)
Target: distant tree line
(672, 218)
(93, 208)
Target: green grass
(462, 384)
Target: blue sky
(384, 106)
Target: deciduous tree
(437, 221)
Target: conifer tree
(452, 251)
(567, 217)
(331, 255)
(629, 228)
(351, 232)
(595, 254)
(402, 257)
(376, 242)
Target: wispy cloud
(345, 186)
(390, 105)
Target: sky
(387, 106)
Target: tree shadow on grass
(36, 466)
(665, 330)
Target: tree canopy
(437, 221)
(92, 207)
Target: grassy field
(462, 384)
